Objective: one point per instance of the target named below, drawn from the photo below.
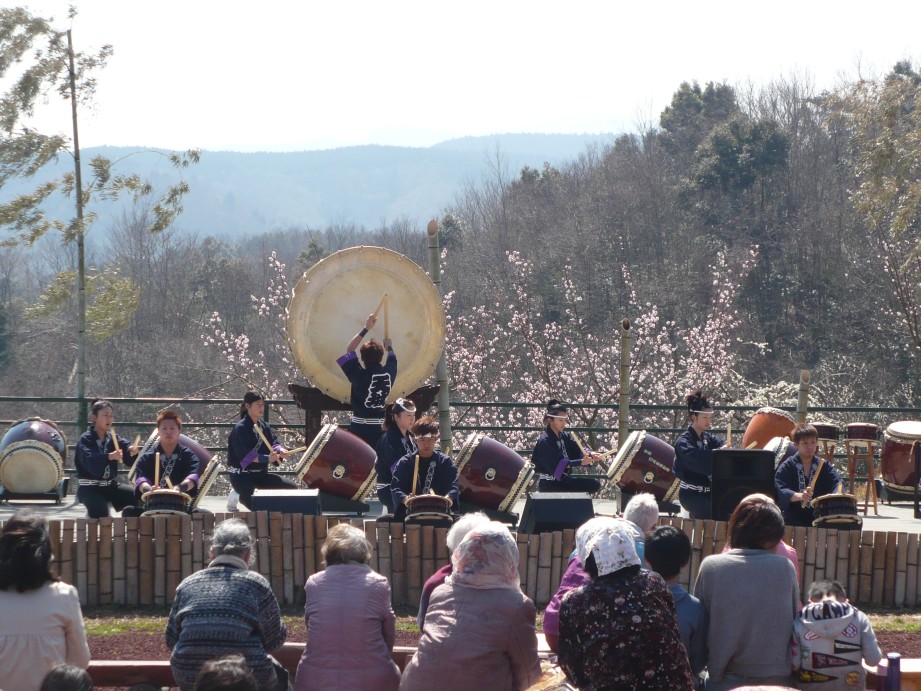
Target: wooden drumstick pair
(385, 303)
(815, 479)
(265, 441)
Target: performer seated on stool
(800, 479)
(97, 460)
(248, 455)
(694, 457)
(371, 384)
(177, 462)
(397, 441)
(556, 452)
(434, 472)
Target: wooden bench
(159, 674)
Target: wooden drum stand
(862, 450)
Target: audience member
(668, 550)
(619, 630)
(41, 624)
(226, 674)
(226, 608)
(751, 596)
(830, 637)
(67, 678)
(351, 627)
(782, 549)
(479, 628)
(458, 532)
(643, 512)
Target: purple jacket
(574, 577)
(351, 629)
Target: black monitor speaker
(738, 473)
(546, 512)
(306, 501)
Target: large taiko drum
(645, 463)
(897, 465)
(338, 462)
(490, 474)
(836, 511)
(782, 448)
(32, 456)
(165, 502)
(428, 508)
(204, 456)
(766, 424)
(206, 480)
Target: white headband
(557, 417)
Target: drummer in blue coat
(804, 477)
(97, 459)
(694, 457)
(177, 463)
(557, 452)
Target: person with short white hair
(458, 532)
(224, 609)
(643, 512)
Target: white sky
(298, 75)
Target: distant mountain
(234, 194)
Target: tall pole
(441, 370)
(623, 421)
(802, 403)
(81, 258)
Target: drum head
(206, 480)
(334, 298)
(30, 467)
(908, 430)
(167, 494)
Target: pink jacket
(350, 631)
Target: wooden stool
(862, 450)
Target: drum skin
(332, 301)
(490, 474)
(645, 463)
(165, 501)
(766, 424)
(339, 463)
(32, 457)
(205, 480)
(782, 448)
(897, 466)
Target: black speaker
(306, 501)
(545, 512)
(738, 473)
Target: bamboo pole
(623, 416)
(802, 403)
(441, 369)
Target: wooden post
(623, 417)
(119, 565)
(105, 561)
(802, 403)
(441, 369)
(398, 562)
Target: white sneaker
(232, 499)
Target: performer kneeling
(96, 460)
(556, 452)
(804, 477)
(396, 442)
(249, 456)
(178, 463)
(424, 472)
(694, 457)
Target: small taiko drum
(861, 431)
(32, 455)
(836, 511)
(645, 463)
(204, 456)
(490, 474)
(427, 508)
(782, 448)
(897, 464)
(826, 431)
(766, 424)
(338, 462)
(165, 502)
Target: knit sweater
(751, 597)
(220, 610)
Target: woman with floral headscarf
(619, 631)
(479, 626)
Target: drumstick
(379, 305)
(157, 470)
(729, 434)
(297, 450)
(579, 444)
(265, 441)
(814, 480)
(169, 482)
(134, 446)
(386, 317)
(114, 438)
(415, 474)
(752, 445)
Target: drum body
(897, 466)
(339, 463)
(165, 502)
(424, 508)
(836, 511)
(861, 431)
(490, 474)
(766, 424)
(826, 432)
(204, 456)
(782, 448)
(645, 463)
(32, 456)
(205, 480)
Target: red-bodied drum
(165, 502)
(32, 456)
(424, 508)
(766, 424)
(490, 474)
(861, 431)
(204, 456)
(782, 448)
(826, 431)
(645, 463)
(338, 462)
(836, 511)
(897, 465)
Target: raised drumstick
(114, 438)
(386, 317)
(379, 305)
(729, 434)
(415, 474)
(157, 470)
(814, 480)
(134, 446)
(297, 450)
(265, 441)
(752, 445)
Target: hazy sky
(289, 76)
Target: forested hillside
(746, 235)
